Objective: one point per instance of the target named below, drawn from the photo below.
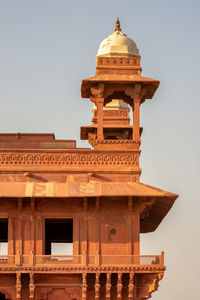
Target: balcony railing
(130, 260)
(7, 260)
(82, 260)
(58, 259)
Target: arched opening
(117, 117)
(2, 296)
(119, 95)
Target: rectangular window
(3, 236)
(59, 237)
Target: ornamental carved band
(129, 158)
(114, 113)
(118, 61)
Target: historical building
(71, 218)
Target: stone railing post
(97, 258)
(84, 259)
(31, 258)
(18, 259)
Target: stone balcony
(143, 263)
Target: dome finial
(117, 26)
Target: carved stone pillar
(131, 286)
(18, 234)
(84, 286)
(119, 286)
(32, 228)
(136, 113)
(31, 287)
(18, 286)
(11, 237)
(136, 120)
(99, 104)
(97, 286)
(108, 286)
(39, 235)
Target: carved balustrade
(58, 259)
(7, 260)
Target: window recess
(3, 236)
(59, 237)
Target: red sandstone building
(71, 218)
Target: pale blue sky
(48, 47)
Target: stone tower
(71, 218)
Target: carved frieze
(63, 269)
(120, 61)
(78, 159)
(114, 113)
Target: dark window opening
(59, 237)
(2, 296)
(3, 236)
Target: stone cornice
(89, 269)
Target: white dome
(118, 44)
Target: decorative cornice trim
(88, 269)
(77, 159)
(119, 61)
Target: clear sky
(48, 46)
